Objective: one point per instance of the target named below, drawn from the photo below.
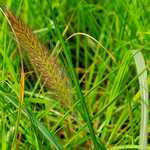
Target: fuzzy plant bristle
(46, 65)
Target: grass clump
(95, 65)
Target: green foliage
(94, 41)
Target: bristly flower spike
(46, 66)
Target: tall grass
(78, 87)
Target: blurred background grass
(105, 70)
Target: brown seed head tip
(2, 6)
(10, 16)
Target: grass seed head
(47, 66)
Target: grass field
(96, 92)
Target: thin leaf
(143, 83)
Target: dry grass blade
(47, 66)
(22, 86)
(143, 83)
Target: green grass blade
(97, 145)
(119, 123)
(116, 88)
(45, 132)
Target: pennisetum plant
(47, 66)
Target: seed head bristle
(47, 66)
